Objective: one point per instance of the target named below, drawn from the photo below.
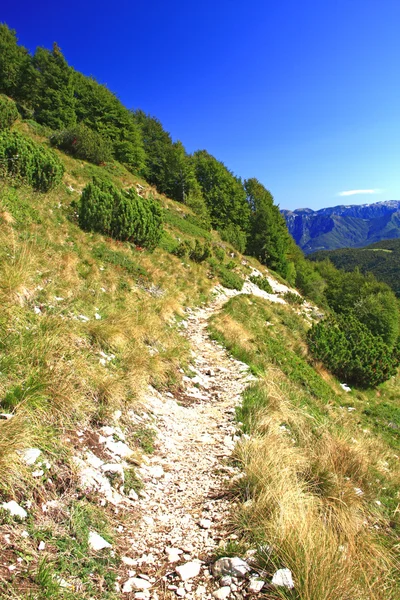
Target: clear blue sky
(302, 94)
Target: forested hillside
(382, 259)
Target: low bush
(122, 215)
(198, 253)
(29, 162)
(292, 298)
(229, 279)
(262, 283)
(84, 143)
(8, 112)
(219, 253)
(350, 351)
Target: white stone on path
(205, 523)
(135, 584)
(96, 542)
(221, 593)
(283, 577)
(188, 570)
(15, 509)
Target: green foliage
(184, 224)
(234, 235)
(379, 312)
(29, 162)
(230, 279)
(84, 143)
(14, 60)
(219, 253)
(194, 200)
(100, 110)
(350, 351)
(198, 253)
(53, 95)
(309, 281)
(293, 298)
(119, 259)
(8, 112)
(269, 238)
(262, 283)
(122, 215)
(224, 195)
(382, 259)
(96, 209)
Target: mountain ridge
(344, 225)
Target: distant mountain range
(382, 259)
(351, 226)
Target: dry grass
(301, 499)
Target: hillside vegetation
(109, 231)
(382, 259)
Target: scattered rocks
(256, 585)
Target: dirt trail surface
(183, 510)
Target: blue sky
(302, 94)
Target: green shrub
(8, 112)
(262, 283)
(229, 279)
(234, 235)
(219, 253)
(350, 351)
(198, 253)
(29, 162)
(292, 298)
(122, 215)
(84, 143)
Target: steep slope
(343, 226)
(382, 259)
(122, 471)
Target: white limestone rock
(31, 455)
(256, 585)
(188, 570)
(15, 509)
(222, 593)
(135, 584)
(283, 578)
(96, 542)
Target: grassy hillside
(320, 491)
(87, 323)
(382, 259)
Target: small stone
(180, 592)
(38, 473)
(25, 534)
(31, 455)
(188, 570)
(283, 577)
(128, 561)
(133, 495)
(227, 580)
(256, 585)
(135, 583)
(235, 567)
(96, 542)
(221, 593)
(205, 523)
(41, 546)
(15, 509)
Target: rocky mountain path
(183, 511)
